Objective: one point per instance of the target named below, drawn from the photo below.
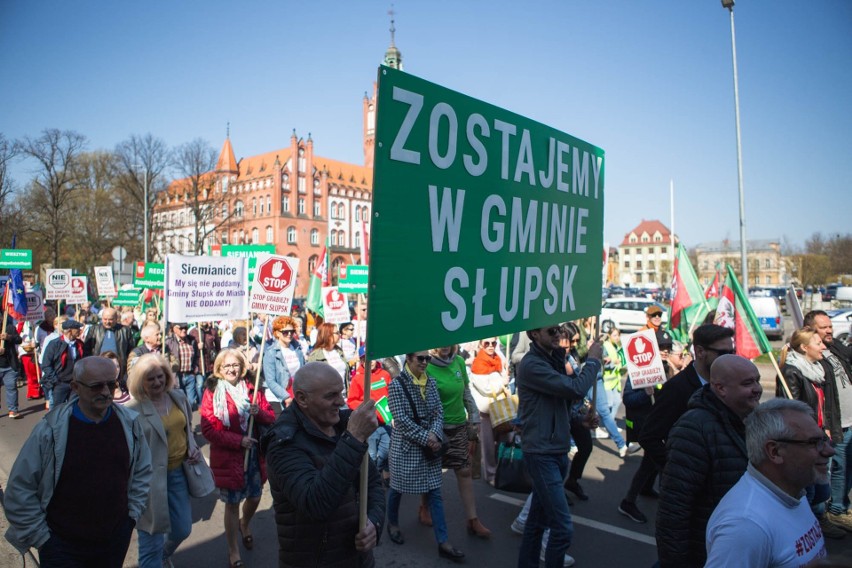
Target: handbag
(512, 475)
(199, 476)
(428, 452)
(503, 411)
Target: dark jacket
(637, 406)
(315, 487)
(802, 389)
(669, 405)
(212, 344)
(173, 348)
(57, 367)
(9, 359)
(706, 457)
(546, 394)
(123, 341)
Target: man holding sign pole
(546, 392)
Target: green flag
(734, 311)
(319, 278)
(688, 306)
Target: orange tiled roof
(649, 227)
(227, 163)
(260, 166)
(344, 173)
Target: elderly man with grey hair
(765, 519)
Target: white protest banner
(336, 306)
(78, 293)
(644, 364)
(205, 288)
(274, 284)
(35, 307)
(105, 282)
(57, 283)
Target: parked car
(842, 324)
(627, 314)
(768, 312)
(830, 292)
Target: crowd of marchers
(282, 400)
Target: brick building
(290, 197)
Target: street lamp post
(729, 5)
(145, 224)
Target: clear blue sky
(649, 82)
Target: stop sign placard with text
(336, 305)
(274, 285)
(644, 364)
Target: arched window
(357, 242)
(238, 209)
(268, 205)
(335, 267)
(334, 238)
(358, 213)
(312, 263)
(341, 238)
(254, 206)
(291, 235)
(314, 237)
(285, 182)
(224, 211)
(255, 236)
(242, 236)
(269, 234)
(224, 237)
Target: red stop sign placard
(640, 351)
(334, 299)
(77, 286)
(274, 276)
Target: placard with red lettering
(644, 364)
(336, 305)
(274, 284)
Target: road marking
(633, 535)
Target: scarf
(418, 381)
(837, 366)
(814, 372)
(238, 394)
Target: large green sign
(126, 297)
(150, 275)
(250, 251)
(484, 222)
(16, 258)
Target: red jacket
(379, 382)
(227, 455)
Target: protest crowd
(739, 483)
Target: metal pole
(743, 254)
(146, 215)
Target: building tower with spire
(393, 59)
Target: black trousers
(583, 439)
(58, 552)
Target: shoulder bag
(199, 476)
(427, 451)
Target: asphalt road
(603, 537)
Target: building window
(341, 238)
(658, 238)
(242, 237)
(317, 208)
(268, 205)
(238, 209)
(357, 242)
(645, 238)
(224, 211)
(285, 182)
(302, 163)
(255, 236)
(301, 206)
(314, 237)
(224, 237)
(663, 250)
(302, 185)
(650, 265)
(626, 264)
(768, 265)
(269, 234)
(638, 265)
(357, 213)
(291, 235)
(334, 238)
(312, 263)
(285, 203)
(705, 265)
(254, 207)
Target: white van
(768, 312)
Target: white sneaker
(600, 433)
(517, 527)
(622, 451)
(633, 447)
(566, 562)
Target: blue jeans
(10, 379)
(378, 446)
(61, 393)
(605, 411)
(841, 474)
(192, 385)
(154, 548)
(549, 509)
(436, 507)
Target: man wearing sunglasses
(81, 480)
(546, 393)
(765, 519)
(706, 457)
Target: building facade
(766, 265)
(645, 256)
(290, 197)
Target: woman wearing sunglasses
(166, 419)
(416, 443)
(488, 380)
(281, 360)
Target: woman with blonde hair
(226, 409)
(166, 419)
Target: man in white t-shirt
(765, 519)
